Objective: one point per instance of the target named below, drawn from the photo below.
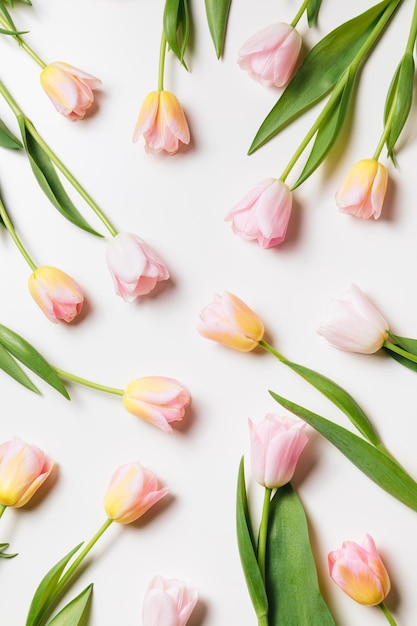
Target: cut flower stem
(22, 44)
(10, 228)
(387, 614)
(88, 383)
(263, 531)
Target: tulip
(157, 399)
(270, 55)
(168, 602)
(231, 322)
(56, 293)
(23, 469)
(360, 572)
(134, 266)
(162, 123)
(133, 490)
(275, 446)
(363, 190)
(70, 89)
(263, 214)
(354, 324)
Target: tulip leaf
(406, 343)
(7, 138)
(42, 598)
(247, 553)
(291, 575)
(399, 100)
(217, 12)
(320, 71)
(374, 463)
(176, 23)
(13, 369)
(48, 179)
(29, 356)
(313, 8)
(6, 555)
(72, 614)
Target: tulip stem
(10, 228)
(387, 614)
(88, 383)
(23, 43)
(272, 351)
(300, 13)
(3, 507)
(161, 68)
(263, 532)
(394, 348)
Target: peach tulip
(263, 214)
(363, 190)
(162, 123)
(354, 324)
(168, 602)
(231, 322)
(157, 399)
(23, 469)
(360, 572)
(70, 89)
(133, 490)
(270, 55)
(56, 293)
(134, 266)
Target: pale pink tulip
(134, 266)
(56, 293)
(70, 89)
(360, 572)
(270, 55)
(263, 214)
(162, 123)
(353, 323)
(133, 490)
(157, 399)
(23, 469)
(363, 190)
(231, 322)
(275, 447)
(168, 602)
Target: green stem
(394, 348)
(88, 383)
(299, 14)
(272, 351)
(22, 43)
(387, 614)
(263, 532)
(4, 216)
(412, 36)
(161, 68)
(3, 507)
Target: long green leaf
(291, 576)
(377, 465)
(72, 614)
(13, 369)
(176, 22)
(313, 8)
(406, 343)
(248, 559)
(29, 356)
(400, 97)
(8, 139)
(217, 12)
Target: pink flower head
(270, 55)
(157, 399)
(263, 214)
(56, 293)
(360, 572)
(168, 602)
(363, 190)
(70, 89)
(275, 446)
(162, 123)
(133, 490)
(354, 324)
(134, 266)
(231, 322)
(23, 469)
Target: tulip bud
(363, 190)
(70, 89)
(168, 602)
(56, 293)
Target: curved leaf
(406, 343)
(7, 138)
(217, 12)
(72, 614)
(313, 8)
(13, 369)
(176, 22)
(400, 97)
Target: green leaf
(247, 553)
(40, 601)
(7, 139)
(29, 356)
(313, 8)
(319, 72)
(48, 179)
(72, 614)
(176, 22)
(399, 100)
(6, 555)
(217, 12)
(406, 343)
(13, 369)
(402, 360)
(377, 465)
(292, 584)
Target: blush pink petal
(362, 192)
(69, 88)
(56, 293)
(168, 602)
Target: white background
(177, 204)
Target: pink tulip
(231, 322)
(56, 293)
(168, 602)
(23, 469)
(134, 266)
(354, 324)
(270, 55)
(363, 190)
(275, 446)
(70, 89)
(133, 490)
(162, 123)
(263, 214)
(157, 399)
(360, 572)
